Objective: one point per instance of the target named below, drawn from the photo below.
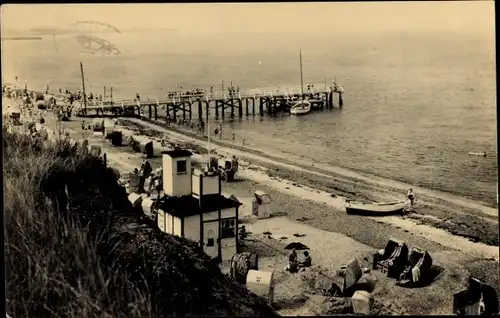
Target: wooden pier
(222, 105)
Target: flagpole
(208, 134)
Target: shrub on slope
(74, 247)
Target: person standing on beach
(411, 197)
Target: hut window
(228, 228)
(210, 238)
(182, 166)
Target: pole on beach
(104, 95)
(83, 87)
(222, 85)
(208, 135)
(111, 94)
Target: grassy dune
(74, 246)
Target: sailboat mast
(301, 77)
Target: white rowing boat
(301, 107)
(477, 154)
(374, 208)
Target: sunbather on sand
(307, 262)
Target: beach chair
(147, 149)
(478, 299)
(342, 284)
(136, 183)
(392, 259)
(417, 269)
(241, 263)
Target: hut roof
(182, 206)
(178, 153)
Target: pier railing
(289, 92)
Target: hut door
(211, 238)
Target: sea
(415, 103)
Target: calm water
(415, 104)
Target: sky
(474, 16)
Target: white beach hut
(261, 284)
(261, 205)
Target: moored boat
(375, 208)
(301, 107)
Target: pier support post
(174, 109)
(183, 105)
(200, 111)
(240, 107)
(190, 111)
(223, 109)
(253, 106)
(207, 109)
(150, 111)
(216, 109)
(341, 102)
(156, 112)
(232, 107)
(261, 106)
(246, 106)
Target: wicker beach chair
(417, 269)
(392, 259)
(478, 299)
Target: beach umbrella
(297, 246)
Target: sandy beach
(301, 205)
(458, 216)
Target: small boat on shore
(477, 154)
(353, 207)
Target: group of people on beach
(294, 264)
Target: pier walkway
(244, 102)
